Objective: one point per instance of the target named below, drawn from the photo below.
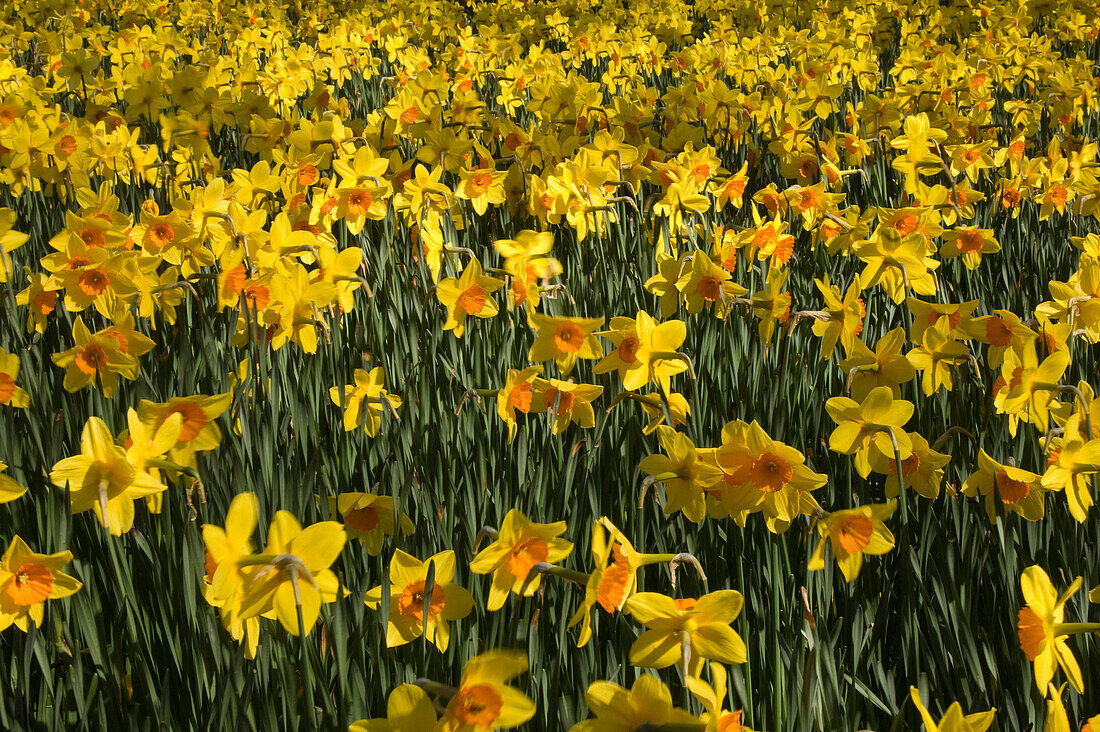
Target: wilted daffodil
(370, 518)
(1019, 491)
(1042, 632)
(868, 430)
(644, 351)
(408, 599)
(647, 703)
(101, 479)
(519, 545)
(292, 576)
(684, 472)
(408, 710)
(468, 296)
(27, 580)
(954, 720)
(686, 630)
(363, 401)
(484, 700)
(853, 533)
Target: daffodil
(564, 340)
(27, 580)
(408, 710)
(647, 704)
(687, 629)
(412, 611)
(1042, 630)
(869, 430)
(567, 402)
(1018, 490)
(101, 479)
(519, 545)
(9, 488)
(95, 359)
(885, 366)
(370, 518)
(852, 533)
(223, 585)
(713, 698)
(11, 394)
(468, 296)
(644, 351)
(954, 720)
(291, 578)
(518, 395)
(364, 401)
(484, 700)
(683, 471)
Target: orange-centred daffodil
(370, 518)
(468, 296)
(853, 533)
(27, 580)
(519, 545)
(1042, 630)
(412, 611)
(484, 700)
(563, 339)
(644, 351)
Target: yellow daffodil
(27, 580)
(1042, 630)
(520, 544)
(684, 472)
(687, 629)
(853, 533)
(101, 479)
(518, 395)
(868, 430)
(408, 599)
(370, 518)
(1019, 491)
(564, 340)
(484, 700)
(11, 394)
(647, 704)
(363, 401)
(567, 402)
(954, 720)
(292, 577)
(408, 710)
(9, 488)
(468, 296)
(645, 351)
